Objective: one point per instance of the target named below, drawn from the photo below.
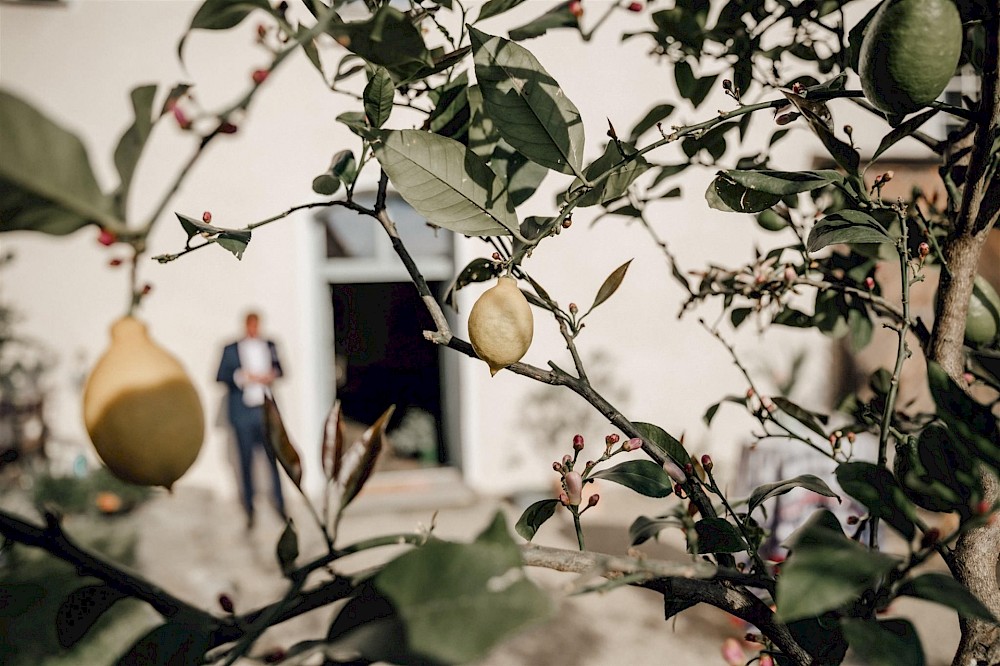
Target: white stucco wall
(78, 62)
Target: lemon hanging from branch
(141, 410)
(501, 325)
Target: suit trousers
(249, 438)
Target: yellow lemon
(141, 410)
(909, 53)
(501, 325)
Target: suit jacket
(237, 409)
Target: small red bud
(578, 442)
(274, 656)
(567, 459)
(146, 288)
(678, 490)
(261, 30)
(750, 393)
(798, 88)
(982, 508)
(573, 308)
(496, 256)
(887, 176)
(870, 282)
(106, 237)
(259, 76)
(727, 84)
(852, 520)
(851, 437)
(790, 274)
(593, 500)
(689, 469)
(227, 128)
(968, 377)
(611, 439)
(567, 223)
(833, 439)
(564, 499)
(115, 262)
(766, 660)
(924, 250)
(706, 462)
(635, 7)
(575, 8)
(206, 217)
(226, 603)
(930, 537)
(182, 120)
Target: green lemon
(770, 220)
(909, 53)
(983, 321)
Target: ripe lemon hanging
(909, 53)
(501, 325)
(141, 410)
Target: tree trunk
(976, 557)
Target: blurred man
(248, 368)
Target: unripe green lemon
(501, 325)
(770, 220)
(909, 53)
(141, 410)
(982, 323)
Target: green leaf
(817, 579)
(81, 609)
(523, 176)
(557, 17)
(611, 284)
(494, 7)
(528, 106)
(663, 441)
(717, 535)
(820, 529)
(534, 517)
(437, 588)
(904, 130)
(973, 423)
(169, 644)
(452, 112)
(657, 114)
(378, 97)
(945, 590)
(325, 184)
(369, 627)
(234, 240)
(615, 185)
(483, 134)
(884, 642)
(846, 226)
(287, 550)
(477, 270)
(222, 15)
(355, 121)
(878, 490)
(736, 198)
(739, 315)
(46, 183)
(765, 492)
(803, 416)
(388, 38)
(784, 182)
(445, 182)
(643, 529)
(643, 476)
(132, 142)
(843, 153)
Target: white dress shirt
(255, 359)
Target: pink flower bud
(259, 76)
(869, 282)
(706, 462)
(689, 469)
(206, 217)
(635, 7)
(573, 309)
(766, 660)
(564, 499)
(924, 250)
(732, 652)
(678, 490)
(633, 444)
(611, 439)
(496, 256)
(574, 487)
(557, 467)
(567, 459)
(578, 442)
(575, 8)
(593, 500)
(968, 377)
(106, 237)
(790, 274)
(567, 223)
(182, 120)
(853, 520)
(673, 471)
(851, 437)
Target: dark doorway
(383, 359)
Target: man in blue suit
(248, 368)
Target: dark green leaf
(378, 97)
(792, 317)
(522, 175)
(803, 416)
(355, 121)
(816, 579)
(222, 15)
(624, 173)
(46, 183)
(657, 114)
(494, 7)
(717, 535)
(325, 184)
(884, 642)
(820, 529)
(943, 589)
(643, 529)
(878, 490)
(452, 111)
(763, 493)
(287, 550)
(477, 270)
(737, 198)
(170, 644)
(438, 587)
(388, 38)
(558, 17)
(611, 284)
(784, 182)
(369, 627)
(902, 131)
(529, 107)
(534, 517)
(132, 142)
(643, 476)
(738, 315)
(846, 226)
(80, 611)
(843, 153)
(664, 442)
(445, 182)
(971, 422)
